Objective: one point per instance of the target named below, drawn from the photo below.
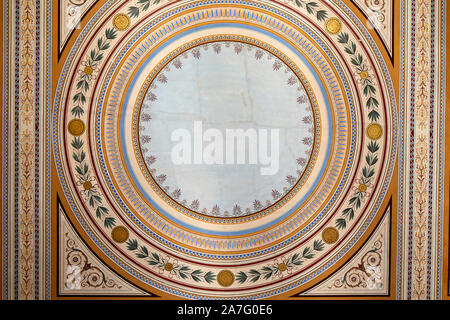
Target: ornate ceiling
(353, 205)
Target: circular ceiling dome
(226, 129)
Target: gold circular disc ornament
(76, 127)
(121, 22)
(374, 131)
(120, 234)
(225, 278)
(333, 25)
(330, 235)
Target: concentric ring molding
(262, 50)
(241, 255)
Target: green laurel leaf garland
(273, 270)
(163, 264)
(95, 56)
(312, 8)
(83, 85)
(357, 61)
(142, 5)
(93, 197)
(366, 177)
(369, 91)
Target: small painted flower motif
(161, 178)
(307, 141)
(146, 139)
(307, 120)
(195, 205)
(238, 48)
(301, 99)
(282, 267)
(237, 210)
(162, 78)
(292, 80)
(150, 160)
(176, 194)
(170, 266)
(259, 54)
(215, 210)
(291, 180)
(308, 151)
(217, 47)
(146, 117)
(88, 70)
(89, 187)
(257, 205)
(362, 187)
(302, 161)
(177, 63)
(276, 194)
(151, 96)
(277, 65)
(196, 53)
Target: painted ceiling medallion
(241, 142)
(225, 149)
(145, 109)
